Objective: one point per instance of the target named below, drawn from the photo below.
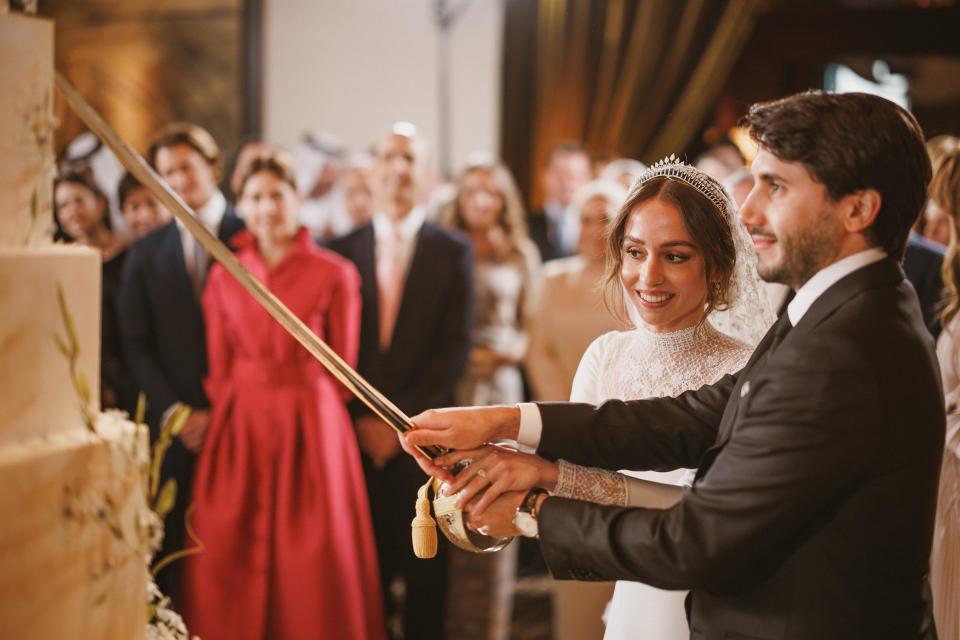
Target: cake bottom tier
(72, 555)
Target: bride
(682, 269)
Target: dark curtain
(628, 78)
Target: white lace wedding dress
(642, 364)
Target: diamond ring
(482, 473)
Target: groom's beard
(802, 252)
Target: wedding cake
(73, 522)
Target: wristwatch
(525, 520)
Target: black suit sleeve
(135, 328)
(801, 439)
(433, 385)
(658, 434)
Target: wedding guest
(319, 164)
(278, 497)
(143, 213)
(622, 170)
(554, 228)
(945, 559)
(161, 321)
(414, 341)
(357, 192)
(506, 281)
(247, 154)
(739, 184)
(719, 161)
(86, 154)
(932, 227)
(571, 312)
(81, 212)
(140, 208)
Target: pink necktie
(390, 283)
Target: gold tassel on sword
(452, 521)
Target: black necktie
(782, 329)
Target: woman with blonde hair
(945, 559)
(506, 268)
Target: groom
(812, 511)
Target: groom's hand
(464, 428)
(497, 519)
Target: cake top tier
(27, 165)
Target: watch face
(526, 523)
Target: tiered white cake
(71, 505)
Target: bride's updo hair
(705, 222)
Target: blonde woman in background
(506, 274)
(945, 557)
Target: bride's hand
(494, 470)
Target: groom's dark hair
(849, 142)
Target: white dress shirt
(531, 423)
(195, 257)
(822, 280)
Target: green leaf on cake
(83, 387)
(141, 410)
(167, 498)
(61, 346)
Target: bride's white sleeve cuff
(531, 425)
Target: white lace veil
(749, 314)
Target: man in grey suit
(812, 511)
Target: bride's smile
(663, 269)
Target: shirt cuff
(531, 425)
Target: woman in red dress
(279, 501)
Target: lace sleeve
(591, 485)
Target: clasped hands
(493, 485)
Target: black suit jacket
(812, 512)
(431, 339)
(538, 228)
(923, 268)
(161, 320)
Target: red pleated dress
(279, 501)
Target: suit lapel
(367, 265)
(743, 381)
(173, 264)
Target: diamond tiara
(673, 167)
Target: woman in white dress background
(945, 557)
(683, 270)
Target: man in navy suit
(922, 262)
(414, 339)
(161, 321)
